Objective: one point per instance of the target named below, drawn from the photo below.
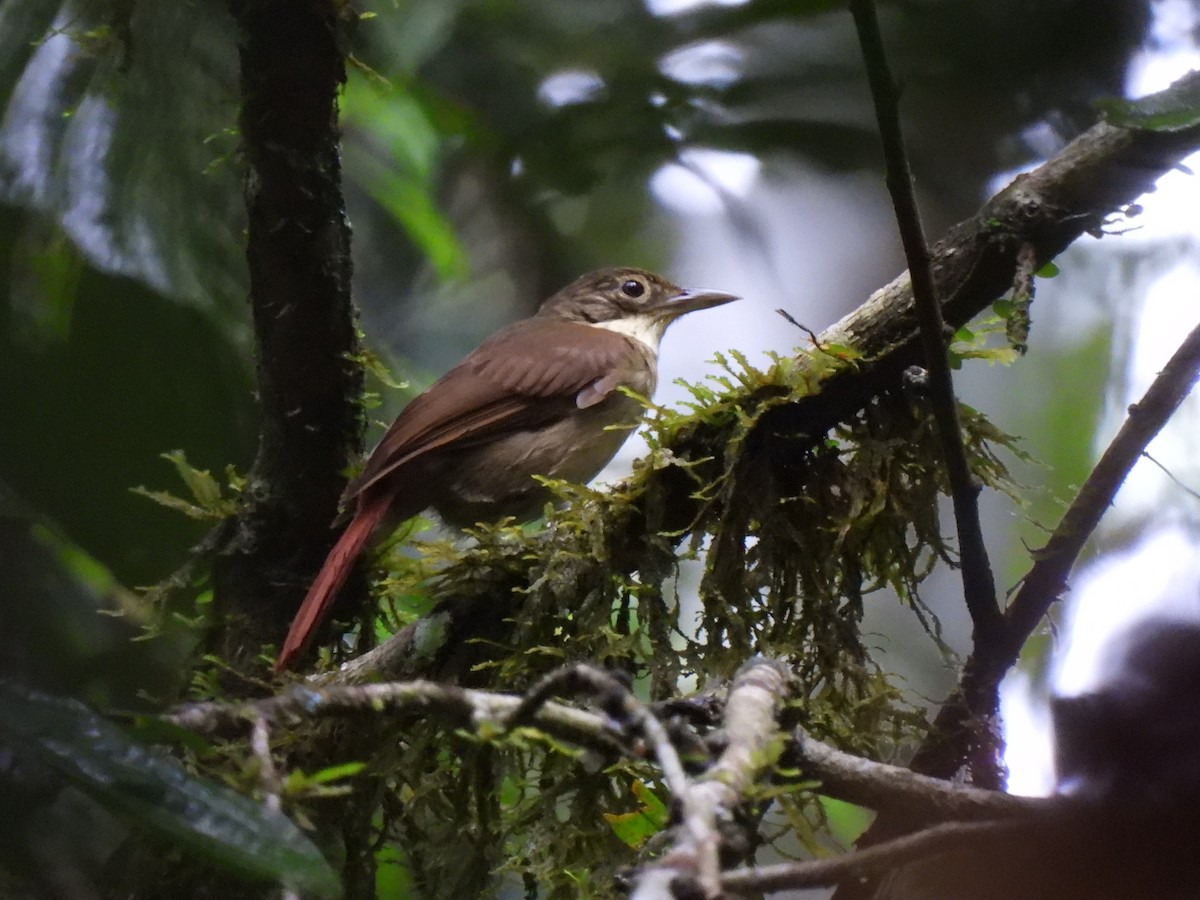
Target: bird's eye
(633, 288)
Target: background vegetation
(490, 152)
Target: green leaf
(199, 481)
(170, 501)
(401, 177)
(210, 503)
(1049, 270)
(635, 828)
(157, 794)
(846, 821)
(1004, 355)
(336, 773)
(393, 879)
(374, 365)
(1176, 108)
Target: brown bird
(540, 397)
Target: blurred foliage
(553, 117)
(492, 151)
(119, 127)
(50, 736)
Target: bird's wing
(524, 376)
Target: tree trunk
(298, 251)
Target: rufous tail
(334, 572)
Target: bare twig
(620, 703)
(979, 590)
(749, 725)
(455, 705)
(883, 787)
(1175, 479)
(268, 774)
(812, 335)
(933, 841)
(1047, 578)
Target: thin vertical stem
(979, 590)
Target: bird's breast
(496, 479)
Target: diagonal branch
(887, 788)
(979, 588)
(934, 841)
(1047, 578)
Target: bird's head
(630, 301)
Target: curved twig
(749, 725)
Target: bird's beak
(690, 301)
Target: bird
(541, 397)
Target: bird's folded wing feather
(507, 384)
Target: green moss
(792, 537)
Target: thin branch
(883, 787)
(268, 774)
(1047, 578)
(456, 705)
(979, 589)
(749, 726)
(394, 658)
(198, 556)
(812, 335)
(852, 867)
(1175, 479)
(619, 702)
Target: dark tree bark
(298, 252)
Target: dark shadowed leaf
(156, 793)
(118, 124)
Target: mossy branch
(741, 451)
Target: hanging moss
(793, 535)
